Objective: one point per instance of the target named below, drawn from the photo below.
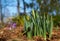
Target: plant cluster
(38, 25)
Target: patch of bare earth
(56, 35)
(17, 35)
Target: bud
(33, 13)
(28, 17)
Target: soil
(17, 35)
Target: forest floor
(17, 35)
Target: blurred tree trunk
(18, 6)
(24, 7)
(1, 17)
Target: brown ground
(17, 35)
